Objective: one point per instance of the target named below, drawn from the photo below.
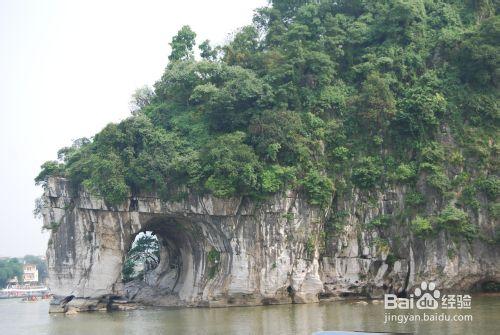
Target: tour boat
(30, 298)
(20, 291)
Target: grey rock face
(271, 252)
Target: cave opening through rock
(153, 264)
(152, 268)
(183, 256)
(142, 258)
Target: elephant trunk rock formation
(268, 252)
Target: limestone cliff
(268, 252)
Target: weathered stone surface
(270, 252)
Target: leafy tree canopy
(315, 96)
(9, 268)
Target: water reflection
(285, 319)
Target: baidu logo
(432, 303)
(426, 299)
(426, 296)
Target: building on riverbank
(28, 287)
(30, 274)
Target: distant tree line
(13, 267)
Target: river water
(32, 318)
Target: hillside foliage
(322, 97)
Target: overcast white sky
(67, 68)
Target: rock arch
(186, 273)
(215, 252)
(236, 252)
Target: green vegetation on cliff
(321, 97)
